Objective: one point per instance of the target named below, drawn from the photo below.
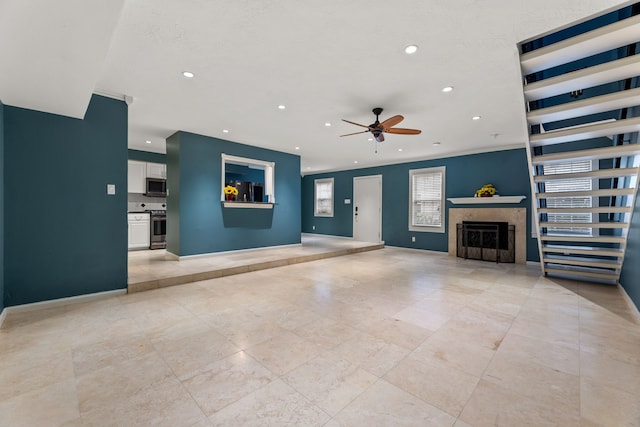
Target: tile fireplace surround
(514, 216)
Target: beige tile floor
(391, 337)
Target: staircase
(582, 99)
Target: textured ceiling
(325, 60)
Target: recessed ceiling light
(188, 74)
(327, 124)
(297, 148)
(436, 143)
(399, 149)
(412, 48)
(225, 130)
(281, 107)
(308, 167)
(148, 142)
(475, 118)
(447, 89)
(370, 139)
(355, 161)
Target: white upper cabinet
(136, 178)
(156, 170)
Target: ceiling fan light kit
(378, 129)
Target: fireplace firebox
(486, 240)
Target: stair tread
(599, 209)
(584, 224)
(566, 238)
(582, 271)
(585, 132)
(607, 72)
(584, 250)
(599, 173)
(591, 154)
(584, 107)
(582, 261)
(582, 45)
(593, 193)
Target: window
(570, 184)
(323, 205)
(267, 167)
(426, 199)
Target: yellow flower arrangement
(230, 191)
(487, 190)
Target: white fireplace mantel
(485, 200)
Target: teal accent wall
(197, 222)
(1, 206)
(630, 275)
(147, 156)
(66, 236)
(507, 170)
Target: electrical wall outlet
(111, 189)
(413, 239)
(313, 227)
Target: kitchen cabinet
(136, 177)
(139, 230)
(157, 170)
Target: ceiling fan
(378, 129)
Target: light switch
(111, 189)
(347, 201)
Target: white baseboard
(60, 302)
(325, 235)
(632, 306)
(174, 257)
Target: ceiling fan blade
(391, 121)
(380, 137)
(403, 131)
(355, 133)
(357, 124)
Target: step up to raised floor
(284, 257)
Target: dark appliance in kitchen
(258, 192)
(248, 191)
(158, 230)
(156, 187)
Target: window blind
(570, 184)
(427, 199)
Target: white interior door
(367, 208)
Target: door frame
(379, 178)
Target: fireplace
(511, 215)
(486, 240)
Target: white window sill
(248, 205)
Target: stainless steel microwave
(156, 187)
